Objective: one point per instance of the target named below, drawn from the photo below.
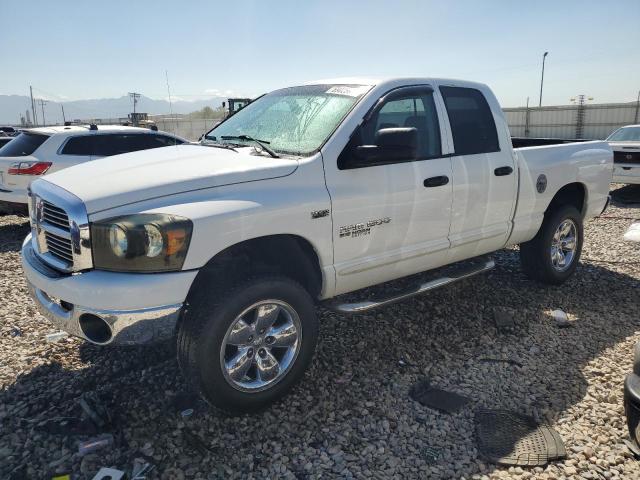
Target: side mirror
(392, 145)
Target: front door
(391, 218)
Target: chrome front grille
(59, 247)
(55, 215)
(59, 227)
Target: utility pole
(64, 120)
(526, 120)
(542, 77)
(637, 108)
(33, 107)
(42, 104)
(134, 96)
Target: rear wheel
(246, 348)
(552, 255)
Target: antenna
(166, 74)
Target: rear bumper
(130, 309)
(623, 173)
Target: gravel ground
(352, 415)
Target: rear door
(484, 176)
(387, 222)
(75, 150)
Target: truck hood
(133, 177)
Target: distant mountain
(12, 107)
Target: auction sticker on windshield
(349, 91)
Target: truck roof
(395, 81)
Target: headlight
(147, 242)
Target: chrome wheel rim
(564, 245)
(261, 345)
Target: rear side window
(472, 125)
(83, 145)
(23, 145)
(155, 141)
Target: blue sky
(80, 49)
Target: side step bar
(479, 266)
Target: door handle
(436, 181)
(502, 171)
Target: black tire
(207, 319)
(535, 255)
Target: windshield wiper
(212, 143)
(261, 143)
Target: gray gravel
(351, 417)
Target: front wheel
(245, 348)
(552, 255)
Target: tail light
(29, 168)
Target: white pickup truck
(307, 193)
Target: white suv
(40, 151)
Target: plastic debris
(95, 443)
(186, 413)
(140, 468)
(561, 318)
(633, 233)
(64, 476)
(510, 438)
(94, 409)
(430, 454)
(109, 474)
(510, 361)
(55, 337)
(432, 397)
(345, 378)
(504, 321)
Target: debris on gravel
(351, 416)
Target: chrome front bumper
(125, 326)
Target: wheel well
(571, 194)
(289, 255)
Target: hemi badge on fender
(320, 213)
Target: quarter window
(472, 125)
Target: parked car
(4, 140)
(305, 194)
(632, 398)
(625, 143)
(41, 151)
(10, 131)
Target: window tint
(155, 141)
(411, 107)
(83, 145)
(23, 145)
(472, 124)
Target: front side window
(625, 134)
(406, 108)
(23, 145)
(472, 125)
(295, 120)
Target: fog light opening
(94, 328)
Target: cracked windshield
(294, 120)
